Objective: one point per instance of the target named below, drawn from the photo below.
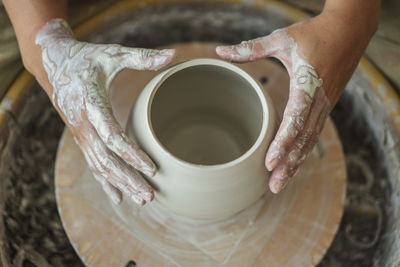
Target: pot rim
(262, 96)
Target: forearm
(28, 17)
(361, 16)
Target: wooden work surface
(293, 228)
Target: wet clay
(207, 124)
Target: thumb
(253, 49)
(146, 59)
(118, 58)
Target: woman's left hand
(320, 55)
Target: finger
(120, 57)
(307, 139)
(120, 174)
(129, 182)
(105, 164)
(305, 86)
(109, 189)
(253, 49)
(301, 147)
(304, 144)
(278, 179)
(101, 117)
(147, 59)
(288, 167)
(294, 118)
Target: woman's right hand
(80, 74)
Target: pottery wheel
(293, 228)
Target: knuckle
(299, 122)
(285, 172)
(292, 128)
(295, 120)
(294, 156)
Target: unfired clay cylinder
(207, 125)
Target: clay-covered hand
(320, 55)
(80, 74)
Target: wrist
(53, 30)
(55, 33)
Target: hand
(320, 55)
(80, 74)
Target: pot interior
(206, 115)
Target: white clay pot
(207, 125)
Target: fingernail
(116, 197)
(277, 186)
(272, 164)
(145, 164)
(167, 52)
(139, 201)
(112, 193)
(274, 155)
(222, 49)
(147, 196)
(117, 200)
(148, 169)
(161, 58)
(160, 61)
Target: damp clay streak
(293, 228)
